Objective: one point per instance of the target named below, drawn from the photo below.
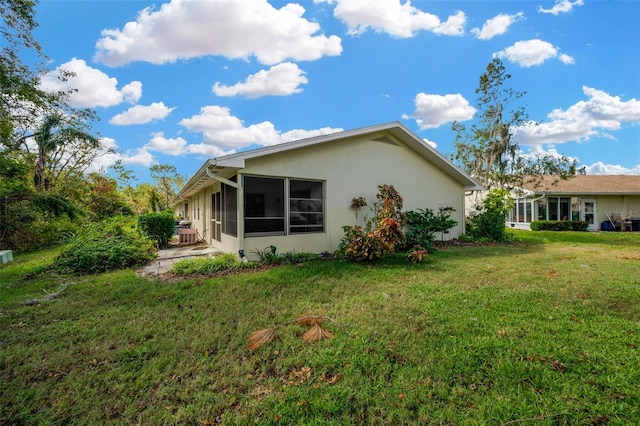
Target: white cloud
(599, 168)
(92, 88)
(222, 130)
(397, 19)
(141, 114)
(435, 110)
(206, 150)
(190, 29)
(532, 52)
(430, 143)
(164, 145)
(600, 114)
(132, 92)
(561, 6)
(497, 25)
(280, 80)
(566, 59)
(540, 151)
(139, 157)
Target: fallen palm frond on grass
(316, 333)
(261, 337)
(48, 297)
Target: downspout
(240, 203)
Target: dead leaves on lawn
(315, 333)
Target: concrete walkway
(167, 257)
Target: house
(297, 196)
(604, 201)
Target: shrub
(422, 225)
(487, 221)
(157, 226)
(562, 225)
(112, 244)
(299, 257)
(383, 231)
(269, 256)
(207, 265)
(417, 255)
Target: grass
(542, 332)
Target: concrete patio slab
(167, 257)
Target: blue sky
(182, 81)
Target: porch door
(588, 213)
(216, 217)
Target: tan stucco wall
(349, 169)
(626, 206)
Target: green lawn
(544, 332)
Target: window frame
(286, 206)
(318, 228)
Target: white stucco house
(603, 201)
(297, 196)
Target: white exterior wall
(349, 168)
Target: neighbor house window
(555, 208)
(521, 211)
(279, 206)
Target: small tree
(382, 233)
(168, 180)
(423, 224)
(487, 221)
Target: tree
(19, 83)
(42, 140)
(168, 180)
(488, 150)
(62, 145)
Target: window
(521, 211)
(306, 210)
(264, 206)
(279, 206)
(557, 208)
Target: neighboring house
(600, 200)
(297, 196)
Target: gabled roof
(230, 164)
(587, 185)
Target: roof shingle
(587, 184)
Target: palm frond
(316, 334)
(309, 320)
(260, 338)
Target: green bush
(487, 221)
(559, 225)
(423, 224)
(158, 226)
(209, 265)
(109, 245)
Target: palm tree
(53, 134)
